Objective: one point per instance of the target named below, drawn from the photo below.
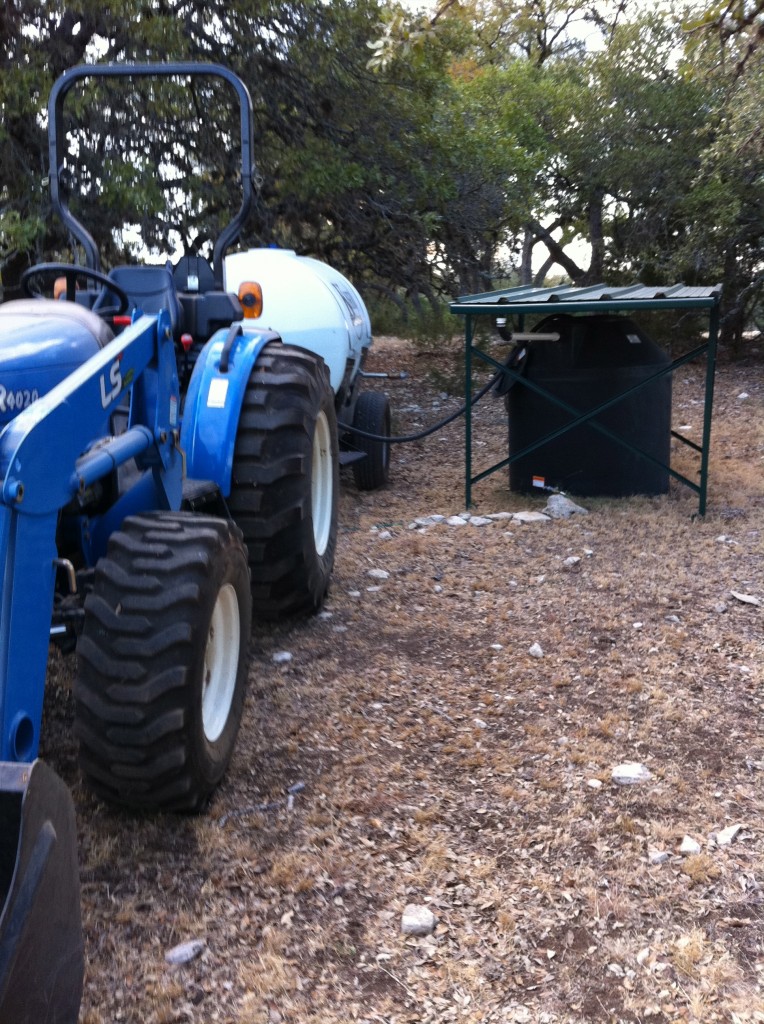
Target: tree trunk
(556, 251)
(734, 306)
(526, 268)
(543, 270)
(596, 238)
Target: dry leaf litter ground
(436, 762)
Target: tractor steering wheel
(70, 273)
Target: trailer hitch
(41, 945)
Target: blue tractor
(167, 464)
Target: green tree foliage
(434, 162)
(354, 174)
(652, 158)
(376, 174)
(726, 204)
(160, 159)
(736, 25)
(629, 131)
(444, 165)
(38, 42)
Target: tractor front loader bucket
(41, 947)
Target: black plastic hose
(404, 439)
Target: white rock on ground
(426, 521)
(630, 773)
(281, 657)
(185, 952)
(560, 507)
(418, 920)
(536, 651)
(727, 835)
(531, 517)
(378, 574)
(689, 846)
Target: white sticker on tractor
(15, 401)
(217, 394)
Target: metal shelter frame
(526, 300)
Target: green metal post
(713, 333)
(468, 412)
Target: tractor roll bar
(165, 70)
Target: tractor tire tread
(270, 495)
(372, 414)
(141, 661)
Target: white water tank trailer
(309, 304)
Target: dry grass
(443, 765)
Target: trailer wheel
(162, 661)
(372, 414)
(285, 480)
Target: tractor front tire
(162, 661)
(372, 414)
(285, 481)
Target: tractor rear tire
(372, 414)
(162, 661)
(285, 481)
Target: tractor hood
(41, 343)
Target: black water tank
(596, 358)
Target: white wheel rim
(322, 484)
(221, 663)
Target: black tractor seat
(150, 289)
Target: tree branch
(556, 251)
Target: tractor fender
(214, 399)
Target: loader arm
(45, 462)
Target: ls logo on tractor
(115, 379)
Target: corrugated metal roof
(628, 297)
